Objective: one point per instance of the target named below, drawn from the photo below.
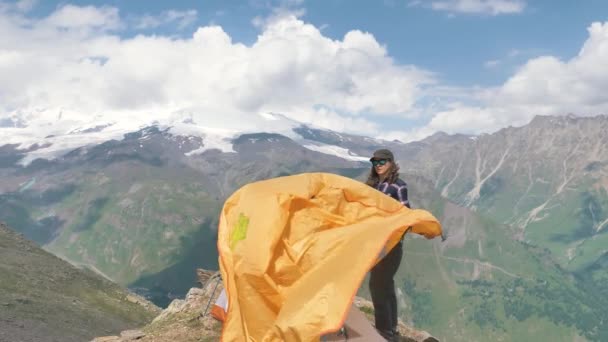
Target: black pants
(382, 288)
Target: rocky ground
(189, 320)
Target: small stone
(132, 299)
(131, 335)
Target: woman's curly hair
(393, 173)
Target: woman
(384, 177)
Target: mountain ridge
(145, 210)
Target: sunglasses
(377, 162)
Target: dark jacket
(397, 190)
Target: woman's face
(381, 166)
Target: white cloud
(70, 61)
(85, 17)
(182, 18)
(512, 58)
(285, 9)
(544, 85)
(492, 7)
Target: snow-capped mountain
(52, 133)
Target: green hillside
(43, 298)
(482, 285)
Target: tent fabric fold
(294, 250)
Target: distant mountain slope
(548, 180)
(482, 285)
(143, 210)
(43, 298)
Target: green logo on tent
(240, 230)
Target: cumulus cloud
(492, 7)
(544, 85)
(71, 59)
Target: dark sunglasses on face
(377, 162)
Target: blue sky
(460, 66)
(454, 44)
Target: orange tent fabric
(294, 250)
